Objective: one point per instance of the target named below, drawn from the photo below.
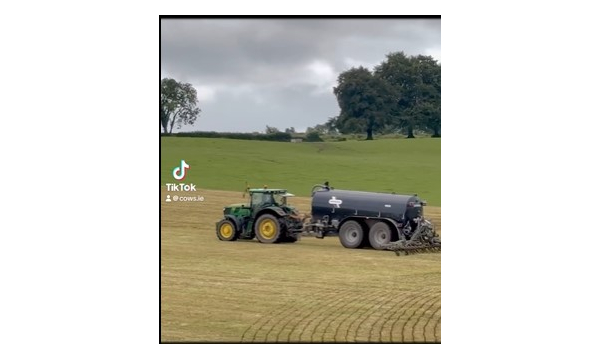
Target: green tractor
(267, 217)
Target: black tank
(340, 204)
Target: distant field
(311, 291)
(404, 166)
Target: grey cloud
(243, 60)
(292, 106)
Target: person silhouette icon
(168, 198)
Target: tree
(271, 130)
(178, 104)
(290, 130)
(432, 117)
(365, 102)
(431, 75)
(416, 83)
(323, 129)
(330, 125)
(313, 136)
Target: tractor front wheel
(226, 230)
(267, 229)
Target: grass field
(314, 290)
(404, 166)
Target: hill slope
(393, 165)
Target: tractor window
(262, 199)
(267, 199)
(280, 199)
(257, 199)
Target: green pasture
(404, 166)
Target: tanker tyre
(267, 229)
(380, 235)
(351, 234)
(226, 230)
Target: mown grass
(311, 291)
(404, 166)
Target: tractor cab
(260, 198)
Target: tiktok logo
(180, 171)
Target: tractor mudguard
(279, 211)
(236, 221)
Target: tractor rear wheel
(351, 234)
(226, 230)
(380, 235)
(267, 229)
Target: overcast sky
(250, 73)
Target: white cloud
(321, 75)
(205, 93)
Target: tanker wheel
(267, 229)
(351, 234)
(226, 230)
(380, 235)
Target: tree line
(400, 95)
